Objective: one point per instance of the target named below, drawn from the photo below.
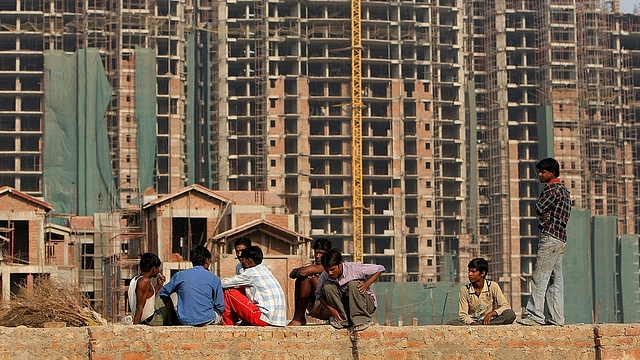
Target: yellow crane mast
(356, 129)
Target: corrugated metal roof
(81, 223)
(249, 197)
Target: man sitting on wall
(264, 303)
(482, 301)
(306, 284)
(200, 299)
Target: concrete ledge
(606, 341)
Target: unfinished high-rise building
(460, 100)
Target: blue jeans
(548, 285)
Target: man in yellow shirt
(482, 301)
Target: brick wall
(610, 341)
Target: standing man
(553, 208)
(263, 302)
(200, 298)
(306, 283)
(344, 290)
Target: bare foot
(295, 322)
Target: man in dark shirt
(553, 208)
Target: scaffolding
(607, 130)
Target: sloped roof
(263, 226)
(249, 197)
(28, 198)
(194, 187)
(81, 223)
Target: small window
(427, 127)
(427, 165)
(427, 146)
(429, 223)
(428, 203)
(272, 103)
(428, 184)
(272, 123)
(429, 243)
(273, 163)
(273, 183)
(272, 143)
(429, 262)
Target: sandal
(335, 323)
(361, 327)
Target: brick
(191, 346)
(165, 346)
(607, 354)
(134, 356)
(624, 341)
(632, 331)
(519, 343)
(395, 355)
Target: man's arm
(142, 289)
(547, 200)
(364, 285)
(218, 298)
(334, 312)
(160, 279)
(242, 279)
(304, 271)
(463, 307)
(171, 311)
(500, 300)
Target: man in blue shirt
(200, 297)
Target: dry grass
(49, 300)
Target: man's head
(548, 169)
(250, 257)
(478, 269)
(241, 244)
(149, 262)
(332, 263)
(201, 256)
(320, 247)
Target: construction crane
(356, 129)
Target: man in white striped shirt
(264, 303)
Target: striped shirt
(555, 201)
(264, 290)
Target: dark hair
(332, 257)
(148, 261)
(479, 264)
(199, 255)
(252, 252)
(242, 241)
(322, 244)
(549, 164)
